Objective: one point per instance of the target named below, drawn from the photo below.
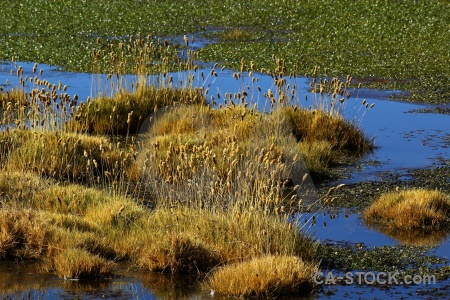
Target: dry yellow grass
(124, 113)
(65, 156)
(79, 264)
(192, 239)
(317, 156)
(13, 104)
(317, 125)
(265, 276)
(22, 234)
(410, 209)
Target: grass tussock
(22, 234)
(238, 154)
(318, 156)
(410, 209)
(202, 239)
(79, 264)
(264, 277)
(65, 156)
(314, 126)
(125, 113)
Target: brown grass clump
(22, 234)
(317, 155)
(191, 239)
(317, 125)
(125, 112)
(178, 253)
(265, 276)
(410, 209)
(17, 188)
(239, 154)
(66, 156)
(38, 220)
(79, 264)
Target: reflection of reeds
(415, 237)
(22, 282)
(171, 286)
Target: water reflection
(415, 237)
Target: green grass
(390, 44)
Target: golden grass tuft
(116, 212)
(66, 156)
(233, 150)
(266, 276)
(178, 254)
(317, 125)
(111, 115)
(317, 156)
(410, 209)
(22, 235)
(192, 239)
(78, 264)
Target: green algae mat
(383, 44)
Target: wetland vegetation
(207, 190)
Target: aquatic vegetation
(125, 113)
(414, 209)
(264, 277)
(389, 45)
(77, 263)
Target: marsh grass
(265, 276)
(203, 187)
(230, 151)
(64, 156)
(22, 235)
(126, 112)
(220, 236)
(79, 264)
(414, 209)
(315, 126)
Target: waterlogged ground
(413, 150)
